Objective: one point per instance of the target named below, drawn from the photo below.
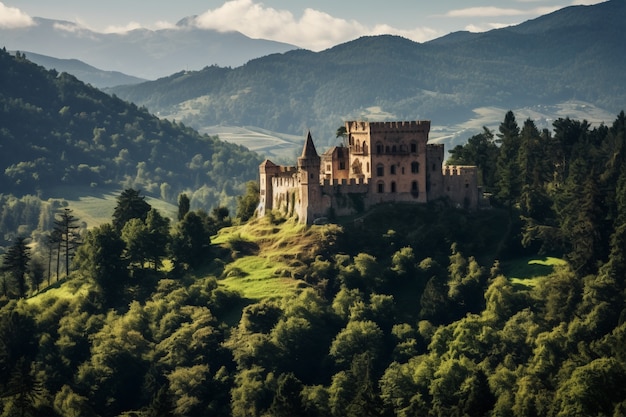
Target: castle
(380, 162)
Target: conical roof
(309, 148)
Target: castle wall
(461, 185)
(384, 162)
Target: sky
(312, 24)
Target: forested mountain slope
(570, 54)
(84, 72)
(410, 311)
(57, 131)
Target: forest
(59, 133)
(413, 311)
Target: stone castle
(380, 162)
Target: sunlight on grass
(267, 257)
(528, 272)
(60, 290)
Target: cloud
(122, 29)
(13, 18)
(499, 12)
(586, 2)
(314, 30)
(485, 27)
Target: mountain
(59, 134)
(143, 53)
(84, 72)
(571, 55)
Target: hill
(142, 53)
(568, 55)
(84, 72)
(58, 132)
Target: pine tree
(67, 227)
(130, 205)
(16, 261)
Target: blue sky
(314, 25)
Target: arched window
(413, 147)
(380, 170)
(364, 148)
(393, 170)
(415, 167)
(393, 186)
(379, 148)
(381, 187)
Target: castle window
(342, 165)
(364, 148)
(393, 186)
(393, 170)
(415, 191)
(415, 167)
(413, 147)
(327, 167)
(368, 167)
(393, 149)
(381, 187)
(379, 148)
(380, 170)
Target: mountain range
(84, 72)
(141, 53)
(570, 56)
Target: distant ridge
(143, 53)
(573, 54)
(84, 72)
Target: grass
(95, 206)
(528, 271)
(267, 257)
(63, 289)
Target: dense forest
(57, 131)
(566, 55)
(408, 312)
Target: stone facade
(381, 162)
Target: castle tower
(267, 171)
(310, 190)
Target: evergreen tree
(67, 227)
(248, 203)
(191, 242)
(130, 205)
(507, 169)
(183, 206)
(100, 258)
(16, 261)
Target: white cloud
(67, 27)
(586, 2)
(314, 30)
(491, 11)
(122, 29)
(13, 18)
(484, 28)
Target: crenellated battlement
(414, 126)
(459, 170)
(383, 162)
